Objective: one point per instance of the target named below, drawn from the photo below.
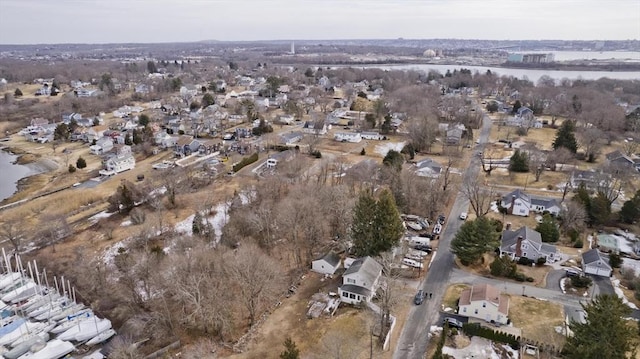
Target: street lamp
(523, 287)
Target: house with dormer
(315, 128)
(360, 281)
(519, 203)
(485, 302)
(526, 243)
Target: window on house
(484, 304)
(352, 296)
(345, 294)
(464, 310)
(524, 254)
(475, 311)
(349, 280)
(524, 246)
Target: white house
(121, 162)
(372, 136)
(95, 133)
(360, 281)
(103, 145)
(354, 137)
(484, 302)
(289, 139)
(527, 243)
(328, 264)
(594, 262)
(519, 203)
(428, 168)
(83, 92)
(315, 128)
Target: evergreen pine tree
(363, 218)
(81, 163)
(519, 162)
(548, 229)
(376, 226)
(388, 222)
(291, 351)
(565, 137)
(197, 225)
(474, 239)
(605, 333)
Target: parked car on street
(463, 215)
(419, 298)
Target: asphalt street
(414, 335)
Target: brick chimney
(513, 203)
(519, 247)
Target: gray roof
(367, 267)
(509, 238)
(331, 258)
(593, 256)
(545, 202)
(517, 194)
(428, 162)
(355, 289)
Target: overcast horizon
(161, 21)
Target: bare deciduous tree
(12, 231)
(590, 140)
(537, 162)
(573, 216)
(257, 277)
(479, 198)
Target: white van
(411, 263)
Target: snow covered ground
(217, 221)
(388, 146)
(620, 294)
(479, 348)
(98, 216)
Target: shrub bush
(71, 169)
(137, 216)
(578, 243)
(530, 279)
(363, 152)
(474, 329)
(520, 277)
(541, 261)
(525, 261)
(580, 281)
(245, 162)
(316, 154)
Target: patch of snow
(494, 207)
(112, 251)
(562, 285)
(478, 348)
(383, 149)
(185, 226)
(631, 264)
(126, 223)
(158, 191)
(448, 309)
(98, 216)
(620, 294)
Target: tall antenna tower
(293, 48)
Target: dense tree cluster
(474, 239)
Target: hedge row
(245, 162)
(476, 329)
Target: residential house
(38, 122)
(278, 157)
(45, 90)
(165, 140)
(287, 119)
(372, 136)
(290, 138)
(102, 146)
(328, 264)
(67, 117)
(188, 91)
(484, 301)
(84, 92)
(315, 128)
(143, 89)
(590, 179)
(453, 136)
(354, 137)
(428, 168)
(619, 159)
(594, 262)
(186, 145)
(519, 203)
(360, 281)
(95, 133)
(122, 161)
(527, 243)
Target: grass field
(537, 319)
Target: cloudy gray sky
(102, 21)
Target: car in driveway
(441, 219)
(419, 298)
(453, 322)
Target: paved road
(413, 338)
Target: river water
(10, 174)
(530, 74)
